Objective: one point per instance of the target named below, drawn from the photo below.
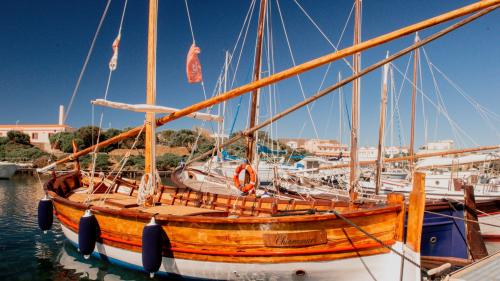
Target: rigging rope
(442, 104)
(294, 64)
(459, 218)
(437, 106)
(112, 68)
(335, 46)
(87, 58)
(189, 19)
(84, 67)
(482, 111)
(371, 236)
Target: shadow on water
(26, 253)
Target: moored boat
(175, 231)
(7, 170)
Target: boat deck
(119, 201)
(206, 186)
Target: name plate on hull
(295, 239)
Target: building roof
(2, 126)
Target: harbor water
(26, 253)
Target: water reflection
(26, 253)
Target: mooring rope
(377, 240)
(459, 218)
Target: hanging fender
(253, 178)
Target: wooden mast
(150, 140)
(484, 7)
(256, 76)
(381, 130)
(353, 175)
(413, 98)
(341, 94)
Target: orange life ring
(236, 178)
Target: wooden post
(398, 199)
(353, 174)
(75, 150)
(472, 229)
(256, 76)
(413, 98)
(380, 150)
(416, 208)
(150, 140)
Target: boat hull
(343, 269)
(201, 240)
(7, 170)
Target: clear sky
(43, 45)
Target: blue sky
(44, 43)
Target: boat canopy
(154, 108)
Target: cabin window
(34, 136)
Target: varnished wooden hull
(306, 246)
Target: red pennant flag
(193, 66)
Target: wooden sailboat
(172, 230)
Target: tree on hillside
(128, 142)
(64, 141)
(101, 162)
(88, 135)
(168, 161)
(164, 136)
(239, 148)
(109, 133)
(182, 137)
(18, 137)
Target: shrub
(101, 162)
(16, 151)
(64, 141)
(164, 136)
(18, 137)
(182, 138)
(43, 161)
(88, 135)
(109, 133)
(136, 162)
(168, 161)
(128, 142)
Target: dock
(487, 268)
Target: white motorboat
(7, 170)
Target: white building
(39, 133)
(437, 146)
(293, 143)
(395, 150)
(322, 147)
